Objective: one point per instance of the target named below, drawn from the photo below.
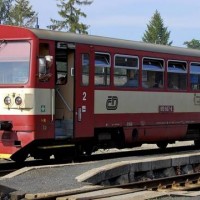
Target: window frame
(177, 61)
(106, 76)
(85, 66)
(145, 70)
(125, 68)
(152, 58)
(61, 67)
(185, 71)
(194, 63)
(193, 85)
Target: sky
(128, 19)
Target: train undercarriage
(104, 138)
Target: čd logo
(112, 103)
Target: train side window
(102, 69)
(61, 65)
(45, 62)
(85, 69)
(195, 76)
(177, 75)
(152, 73)
(126, 70)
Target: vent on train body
(20, 101)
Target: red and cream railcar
(61, 91)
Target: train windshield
(14, 62)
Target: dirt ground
(145, 146)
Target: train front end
(18, 112)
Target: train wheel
(84, 150)
(21, 158)
(58, 156)
(67, 154)
(162, 145)
(88, 152)
(62, 155)
(197, 143)
(45, 157)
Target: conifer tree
(193, 44)
(22, 14)
(5, 6)
(71, 16)
(156, 31)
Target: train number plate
(166, 109)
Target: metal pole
(37, 25)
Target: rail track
(165, 185)
(5, 172)
(180, 182)
(10, 166)
(142, 152)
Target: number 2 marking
(84, 96)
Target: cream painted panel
(38, 101)
(145, 102)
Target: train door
(84, 92)
(64, 90)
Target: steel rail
(185, 182)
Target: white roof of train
(111, 42)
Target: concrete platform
(72, 177)
(124, 169)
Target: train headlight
(18, 100)
(7, 100)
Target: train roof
(112, 42)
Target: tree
(156, 31)
(194, 44)
(5, 6)
(21, 14)
(71, 17)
